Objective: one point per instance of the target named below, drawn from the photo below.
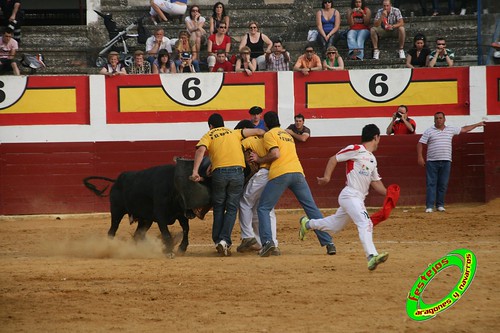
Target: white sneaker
(463, 11)
(401, 54)
(441, 209)
(428, 210)
(376, 54)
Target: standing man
(438, 139)
(285, 172)
(298, 130)
(308, 62)
(277, 59)
(361, 173)
(13, 16)
(226, 155)
(388, 23)
(441, 56)
(400, 123)
(255, 117)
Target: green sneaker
(303, 230)
(378, 259)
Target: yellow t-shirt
(288, 161)
(256, 144)
(224, 147)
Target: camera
(398, 115)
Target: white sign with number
(192, 89)
(379, 86)
(11, 89)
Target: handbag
(312, 35)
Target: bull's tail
(93, 188)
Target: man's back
(288, 160)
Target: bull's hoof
(170, 255)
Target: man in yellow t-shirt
(226, 155)
(285, 172)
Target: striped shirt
(439, 142)
(277, 63)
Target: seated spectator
(418, 56)
(256, 40)
(219, 16)
(157, 42)
(163, 64)
(195, 24)
(277, 59)
(308, 62)
(8, 49)
(298, 130)
(400, 123)
(114, 66)
(333, 61)
(186, 58)
(245, 63)
(328, 24)
(222, 64)
(358, 18)
(139, 66)
(435, 7)
(217, 41)
(441, 56)
(160, 7)
(388, 23)
(256, 117)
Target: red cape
(390, 201)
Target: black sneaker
(248, 245)
(267, 249)
(330, 249)
(276, 252)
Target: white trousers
(168, 7)
(352, 205)
(249, 221)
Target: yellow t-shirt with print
(224, 147)
(288, 161)
(256, 144)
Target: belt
(229, 169)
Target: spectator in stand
(435, 7)
(160, 7)
(13, 17)
(8, 49)
(388, 23)
(418, 56)
(157, 42)
(256, 40)
(277, 59)
(139, 66)
(298, 131)
(328, 24)
(222, 64)
(441, 56)
(114, 66)
(163, 64)
(187, 59)
(217, 41)
(400, 123)
(195, 24)
(333, 61)
(256, 117)
(358, 18)
(219, 16)
(422, 5)
(308, 62)
(245, 63)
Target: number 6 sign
(190, 90)
(378, 86)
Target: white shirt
(361, 167)
(166, 43)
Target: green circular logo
(465, 260)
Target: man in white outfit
(361, 172)
(160, 7)
(249, 221)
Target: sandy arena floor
(62, 274)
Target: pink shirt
(5, 49)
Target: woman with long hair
(163, 64)
(219, 16)
(328, 24)
(195, 26)
(418, 56)
(358, 18)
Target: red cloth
(390, 201)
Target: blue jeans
(327, 43)
(297, 183)
(227, 189)
(356, 40)
(438, 174)
(451, 5)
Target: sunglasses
(310, 51)
(331, 52)
(441, 43)
(327, 1)
(222, 27)
(195, 10)
(253, 27)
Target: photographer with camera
(400, 123)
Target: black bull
(159, 194)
